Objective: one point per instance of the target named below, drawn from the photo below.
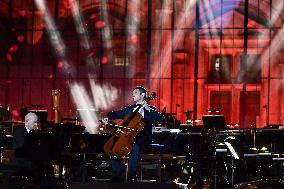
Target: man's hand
(105, 121)
(145, 105)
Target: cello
(120, 143)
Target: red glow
(13, 48)
(134, 38)
(100, 24)
(62, 12)
(104, 60)
(20, 38)
(168, 11)
(9, 57)
(59, 64)
(23, 13)
(50, 76)
(230, 127)
(15, 113)
(165, 10)
(67, 4)
(251, 24)
(93, 16)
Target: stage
(210, 84)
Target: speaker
(76, 185)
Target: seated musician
(31, 123)
(144, 137)
(25, 166)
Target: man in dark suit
(24, 165)
(144, 137)
(20, 132)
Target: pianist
(25, 166)
(31, 123)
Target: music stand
(212, 124)
(216, 122)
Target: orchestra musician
(144, 137)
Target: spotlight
(213, 110)
(100, 24)
(13, 48)
(133, 39)
(20, 38)
(50, 76)
(104, 60)
(15, 113)
(59, 64)
(9, 57)
(93, 16)
(263, 148)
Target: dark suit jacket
(18, 158)
(25, 166)
(145, 136)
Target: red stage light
(50, 76)
(15, 113)
(67, 4)
(59, 64)
(134, 38)
(93, 16)
(20, 38)
(9, 57)
(104, 60)
(13, 48)
(62, 13)
(100, 24)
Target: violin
(120, 143)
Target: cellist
(144, 137)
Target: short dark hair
(141, 90)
